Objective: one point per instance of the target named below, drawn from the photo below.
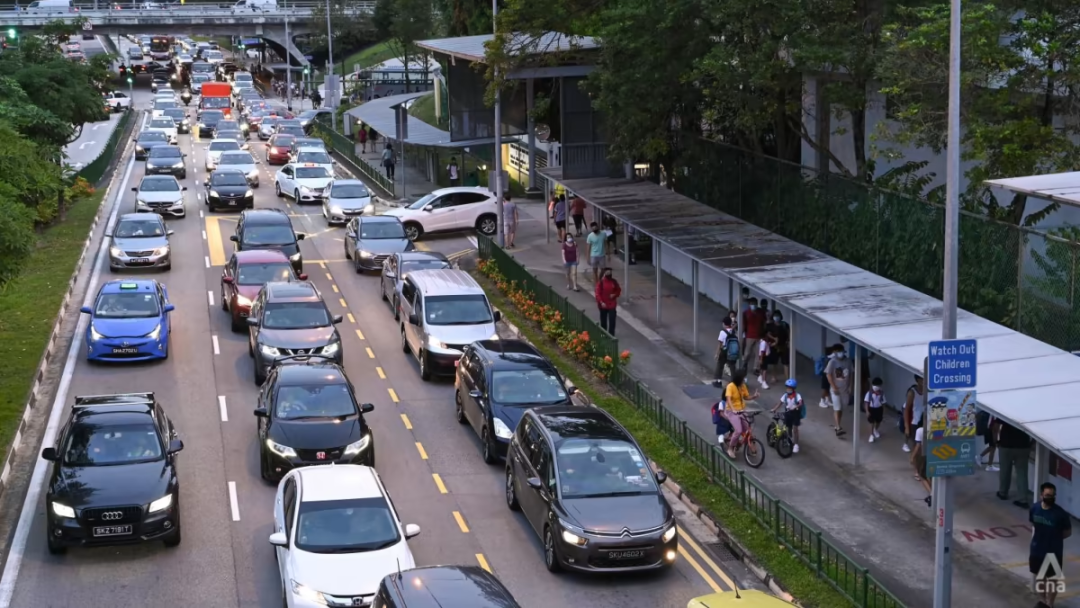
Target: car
(242, 161)
(216, 148)
(134, 54)
(267, 126)
(293, 129)
(314, 156)
(147, 140)
(450, 209)
(229, 188)
(278, 149)
(237, 135)
(208, 122)
(160, 80)
(242, 85)
(183, 59)
(398, 266)
(347, 199)
(76, 56)
(336, 535)
(307, 117)
(588, 491)
(116, 100)
(428, 586)
(166, 160)
(140, 241)
(229, 125)
(214, 57)
(113, 478)
(166, 125)
(180, 118)
(290, 318)
(269, 229)
(197, 81)
(129, 321)
(496, 381)
(370, 239)
(303, 183)
(161, 194)
(308, 415)
(244, 276)
(306, 142)
(741, 598)
(165, 102)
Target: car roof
(125, 286)
(310, 149)
(141, 216)
(110, 415)
(256, 256)
(442, 281)
(378, 219)
(217, 140)
(291, 291)
(159, 149)
(568, 422)
(438, 586)
(159, 178)
(349, 182)
(225, 170)
(236, 153)
(265, 216)
(423, 255)
(311, 371)
(477, 189)
(510, 354)
(152, 134)
(338, 482)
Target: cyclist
(736, 395)
(792, 403)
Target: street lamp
(288, 64)
(330, 77)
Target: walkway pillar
(1042, 468)
(738, 311)
(730, 294)
(858, 394)
(657, 248)
(626, 264)
(793, 353)
(695, 268)
(530, 101)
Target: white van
(256, 5)
(50, 6)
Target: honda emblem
(320, 455)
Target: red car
(245, 275)
(278, 149)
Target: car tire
(277, 190)
(487, 446)
(382, 291)
(459, 408)
(183, 175)
(397, 310)
(405, 342)
(234, 324)
(54, 547)
(167, 267)
(296, 196)
(224, 301)
(413, 231)
(551, 552)
(347, 255)
(425, 367)
(510, 492)
(251, 351)
(264, 469)
(487, 225)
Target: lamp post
(330, 77)
(288, 62)
(498, 137)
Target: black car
(370, 239)
(588, 491)
(180, 117)
(159, 78)
(166, 160)
(269, 229)
(114, 474)
(308, 414)
(208, 122)
(229, 189)
(228, 124)
(496, 381)
(290, 318)
(147, 140)
(428, 586)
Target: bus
(161, 48)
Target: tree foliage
(351, 29)
(403, 23)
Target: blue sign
(949, 439)
(952, 364)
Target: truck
(216, 96)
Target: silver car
(217, 148)
(347, 199)
(244, 162)
(268, 126)
(161, 194)
(398, 266)
(140, 241)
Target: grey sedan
(242, 161)
(347, 199)
(369, 240)
(140, 241)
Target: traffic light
(241, 46)
(306, 70)
(11, 33)
(129, 81)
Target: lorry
(216, 96)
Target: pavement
(91, 142)
(430, 465)
(410, 183)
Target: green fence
(346, 147)
(95, 171)
(829, 562)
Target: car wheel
(183, 175)
(55, 548)
(551, 555)
(487, 225)
(251, 349)
(255, 185)
(167, 267)
(397, 311)
(425, 372)
(224, 301)
(296, 196)
(405, 342)
(459, 408)
(277, 190)
(235, 324)
(348, 256)
(264, 469)
(413, 231)
(511, 494)
(487, 446)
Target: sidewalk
(409, 183)
(876, 509)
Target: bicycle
(778, 435)
(753, 450)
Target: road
(225, 559)
(91, 142)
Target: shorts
(840, 401)
(875, 415)
(914, 427)
(560, 224)
(1035, 564)
(920, 466)
(569, 264)
(773, 358)
(596, 261)
(825, 386)
(793, 418)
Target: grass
(787, 568)
(424, 109)
(29, 305)
(374, 54)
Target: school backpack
(982, 423)
(820, 364)
(731, 346)
(716, 413)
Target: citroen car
(129, 321)
(347, 199)
(398, 266)
(302, 183)
(160, 194)
(242, 161)
(244, 276)
(147, 140)
(208, 122)
(585, 487)
(228, 189)
(180, 119)
(166, 160)
(279, 148)
(309, 156)
(308, 414)
(113, 478)
(269, 229)
(166, 125)
(140, 240)
(216, 148)
(290, 318)
(370, 239)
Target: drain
(721, 552)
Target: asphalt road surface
(91, 142)
(430, 464)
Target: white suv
(450, 209)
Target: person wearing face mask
(570, 262)
(1050, 526)
(839, 372)
(793, 406)
(596, 250)
(753, 326)
(607, 300)
(874, 403)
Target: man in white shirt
(453, 171)
(724, 362)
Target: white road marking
(210, 297)
(204, 235)
(221, 406)
(472, 239)
(207, 258)
(200, 213)
(233, 503)
(217, 347)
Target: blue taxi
(129, 321)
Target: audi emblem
(112, 515)
(320, 455)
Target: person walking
(736, 395)
(510, 220)
(918, 461)
(1050, 526)
(914, 410)
(361, 137)
(987, 426)
(874, 404)
(779, 334)
(596, 243)
(373, 137)
(753, 327)
(577, 211)
(607, 300)
(559, 214)
(819, 370)
(727, 352)
(793, 406)
(454, 172)
(316, 99)
(839, 372)
(570, 262)
(1014, 446)
(388, 161)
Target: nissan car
(140, 240)
(290, 319)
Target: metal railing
(95, 170)
(345, 147)
(826, 560)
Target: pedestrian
(987, 426)
(753, 328)
(918, 460)
(781, 343)
(727, 352)
(453, 170)
(914, 408)
(839, 372)
(720, 421)
(559, 215)
(361, 136)
(510, 220)
(874, 404)
(595, 241)
(793, 406)
(1014, 446)
(737, 395)
(388, 161)
(570, 262)
(316, 99)
(734, 321)
(764, 353)
(373, 137)
(1050, 526)
(610, 228)
(745, 298)
(607, 300)
(577, 211)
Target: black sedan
(166, 160)
(208, 122)
(370, 239)
(308, 415)
(113, 477)
(229, 189)
(147, 140)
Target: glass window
(152, 136)
(166, 152)
(127, 306)
(314, 401)
(457, 310)
(260, 274)
(295, 315)
(311, 172)
(91, 444)
(411, 265)
(423, 201)
(527, 387)
(237, 159)
(159, 185)
(222, 146)
(350, 191)
(138, 227)
(602, 467)
(212, 117)
(275, 234)
(159, 123)
(319, 158)
(346, 526)
(228, 178)
(381, 230)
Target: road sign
(87, 26)
(950, 440)
(952, 364)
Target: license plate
(112, 530)
(140, 260)
(625, 554)
(130, 350)
(232, 203)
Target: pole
(331, 78)
(695, 268)
(498, 133)
(288, 61)
(942, 486)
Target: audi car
(244, 276)
(113, 478)
(228, 189)
(140, 240)
(129, 321)
(370, 239)
(290, 319)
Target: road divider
(382, 374)
(224, 410)
(359, 334)
(370, 353)
(210, 298)
(393, 395)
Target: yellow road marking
(460, 254)
(342, 300)
(351, 319)
(405, 419)
(1068, 558)
(381, 373)
(461, 522)
(704, 575)
(421, 246)
(359, 334)
(213, 240)
(420, 448)
(684, 537)
(329, 277)
(322, 264)
(483, 562)
(438, 482)
(393, 395)
(336, 290)
(370, 353)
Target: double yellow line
(705, 573)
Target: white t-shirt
(723, 336)
(875, 401)
(764, 348)
(453, 169)
(918, 435)
(791, 402)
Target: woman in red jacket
(607, 300)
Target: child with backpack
(723, 427)
(727, 352)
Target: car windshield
(215, 55)
(229, 125)
(165, 104)
(276, 234)
(232, 178)
(91, 444)
(166, 152)
(457, 310)
(230, 135)
(411, 265)
(297, 131)
(152, 136)
(139, 227)
(238, 77)
(346, 526)
(350, 191)
(216, 102)
(126, 306)
(527, 387)
(159, 123)
(381, 230)
(307, 142)
(282, 142)
(159, 185)
(237, 159)
(200, 78)
(319, 158)
(270, 121)
(314, 401)
(204, 68)
(221, 146)
(212, 118)
(262, 273)
(295, 315)
(423, 201)
(602, 467)
(311, 172)
(175, 113)
(135, 53)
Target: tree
(464, 17)
(402, 23)
(352, 29)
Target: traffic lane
(134, 575)
(91, 141)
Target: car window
(314, 401)
(164, 104)
(602, 467)
(289, 498)
(430, 264)
(295, 315)
(213, 116)
(159, 185)
(528, 439)
(381, 230)
(221, 146)
(408, 290)
(349, 191)
(260, 274)
(139, 227)
(126, 306)
(312, 173)
(346, 526)
(526, 387)
(228, 178)
(152, 136)
(237, 159)
(458, 310)
(165, 152)
(159, 123)
(536, 446)
(91, 444)
(270, 234)
(319, 158)
(429, 199)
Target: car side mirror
(367, 408)
(428, 208)
(413, 320)
(303, 276)
(184, 188)
(86, 310)
(534, 483)
(175, 446)
(234, 239)
(49, 454)
(253, 322)
(261, 412)
(278, 539)
(134, 189)
(300, 236)
(411, 531)
(169, 232)
(227, 280)
(475, 394)
(337, 319)
(350, 233)
(661, 476)
(169, 308)
(498, 316)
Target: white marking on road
(198, 197)
(217, 347)
(210, 297)
(204, 235)
(221, 406)
(472, 239)
(95, 127)
(200, 213)
(207, 258)
(86, 143)
(233, 503)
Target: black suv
(269, 229)
(180, 117)
(308, 414)
(496, 381)
(166, 160)
(470, 586)
(290, 318)
(114, 474)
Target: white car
(166, 125)
(336, 535)
(314, 157)
(160, 194)
(305, 184)
(214, 57)
(241, 161)
(449, 209)
(216, 148)
(197, 81)
(117, 100)
(160, 104)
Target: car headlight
(305, 190)
(573, 539)
(61, 510)
(242, 301)
(179, 165)
(186, 122)
(369, 209)
(115, 252)
(502, 431)
(294, 257)
(249, 194)
(331, 348)
(154, 335)
(436, 343)
(269, 351)
(94, 335)
(336, 209)
(244, 127)
(161, 251)
(160, 504)
(280, 450)
(308, 594)
(670, 533)
(494, 336)
(214, 194)
(358, 446)
(140, 148)
(367, 254)
(178, 203)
